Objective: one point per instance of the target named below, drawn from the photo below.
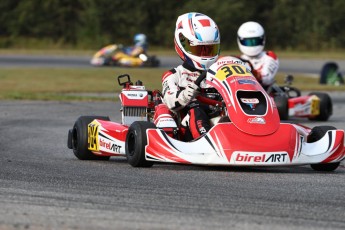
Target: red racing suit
(174, 82)
(264, 67)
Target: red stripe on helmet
(179, 26)
(205, 22)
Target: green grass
(67, 83)
(86, 84)
(305, 82)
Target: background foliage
(289, 24)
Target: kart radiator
(131, 114)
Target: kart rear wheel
(79, 138)
(136, 140)
(282, 106)
(154, 61)
(326, 107)
(316, 134)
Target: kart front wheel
(329, 167)
(316, 134)
(78, 138)
(136, 140)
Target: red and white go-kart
(290, 102)
(248, 131)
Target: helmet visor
(203, 50)
(257, 41)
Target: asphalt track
(287, 66)
(43, 186)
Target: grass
(67, 83)
(97, 83)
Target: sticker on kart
(259, 158)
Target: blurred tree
(289, 24)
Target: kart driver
(140, 46)
(197, 42)
(130, 55)
(251, 42)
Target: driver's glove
(188, 94)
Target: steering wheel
(200, 78)
(202, 99)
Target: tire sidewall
(136, 141)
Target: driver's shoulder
(272, 54)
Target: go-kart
(247, 132)
(331, 75)
(290, 102)
(115, 55)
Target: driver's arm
(175, 97)
(269, 69)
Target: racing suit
(264, 67)
(196, 116)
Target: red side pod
(115, 130)
(297, 100)
(158, 148)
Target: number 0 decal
(238, 69)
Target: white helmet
(140, 39)
(197, 40)
(251, 38)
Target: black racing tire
(110, 62)
(154, 61)
(316, 134)
(80, 138)
(325, 167)
(136, 140)
(282, 106)
(326, 107)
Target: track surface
(43, 186)
(287, 66)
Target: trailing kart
(331, 75)
(115, 55)
(290, 102)
(248, 131)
